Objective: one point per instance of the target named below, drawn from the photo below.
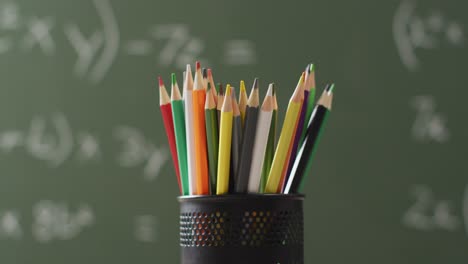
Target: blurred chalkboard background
(85, 171)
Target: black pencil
(248, 140)
(306, 153)
(236, 141)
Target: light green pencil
(179, 130)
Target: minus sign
(138, 47)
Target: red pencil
(166, 112)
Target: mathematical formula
(60, 221)
(413, 32)
(96, 52)
(429, 212)
(53, 140)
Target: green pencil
(177, 105)
(310, 88)
(270, 149)
(211, 123)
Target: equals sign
(138, 47)
(240, 52)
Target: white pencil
(261, 139)
(188, 89)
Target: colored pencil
(305, 155)
(205, 78)
(286, 136)
(271, 145)
(166, 112)
(201, 159)
(212, 83)
(242, 101)
(220, 101)
(224, 156)
(310, 88)
(236, 140)
(189, 131)
(299, 130)
(177, 105)
(261, 139)
(288, 156)
(212, 138)
(248, 140)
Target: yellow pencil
(286, 137)
(225, 136)
(242, 101)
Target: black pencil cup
(224, 229)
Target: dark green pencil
(211, 124)
(302, 163)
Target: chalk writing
(428, 125)
(172, 45)
(429, 213)
(57, 221)
(10, 227)
(145, 228)
(52, 139)
(413, 32)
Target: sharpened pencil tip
(197, 65)
(188, 68)
(173, 79)
(220, 89)
(274, 88)
(228, 90)
(205, 73)
(329, 88)
(161, 82)
(209, 73)
(255, 84)
(233, 92)
(270, 89)
(312, 68)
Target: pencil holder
(225, 229)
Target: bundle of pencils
(224, 145)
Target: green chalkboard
(85, 171)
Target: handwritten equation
(60, 221)
(413, 32)
(171, 44)
(429, 125)
(53, 140)
(429, 212)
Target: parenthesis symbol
(112, 39)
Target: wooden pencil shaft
(201, 158)
(258, 152)
(297, 136)
(212, 143)
(166, 111)
(190, 139)
(301, 167)
(235, 150)
(179, 131)
(282, 148)
(269, 152)
(222, 186)
(248, 140)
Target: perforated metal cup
(227, 229)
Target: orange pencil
(201, 158)
(282, 182)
